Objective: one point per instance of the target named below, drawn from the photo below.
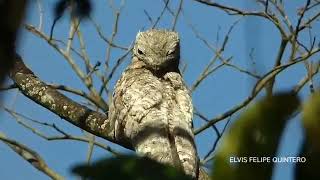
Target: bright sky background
(220, 92)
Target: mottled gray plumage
(151, 106)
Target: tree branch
(48, 97)
(31, 156)
(255, 91)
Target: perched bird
(151, 106)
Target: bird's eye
(140, 52)
(170, 52)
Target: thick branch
(48, 97)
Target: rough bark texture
(81, 116)
(151, 105)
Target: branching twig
(161, 14)
(87, 119)
(175, 19)
(64, 135)
(30, 156)
(105, 39)
(307, 78)
(258, 87)
(113, 70)
(207, 157)
(234, 11)
(98, 99)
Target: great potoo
(151, 107)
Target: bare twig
(64, 135)
(113, 70)
(41, 12)
(91, 139)
(295, 34)
(207, 157)
(208, 69)
(234, 11)
(175, 19)
(306, 79)
(105, 39)
(197, 113)
(74, 24)
(161, 14)
(113, 35)
(30, 156)
(148, 16)
(87, 119)
(98, 99)
(258, 87)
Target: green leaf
(311, 146)
(129, 167)
(311, 120)
(254, 136)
